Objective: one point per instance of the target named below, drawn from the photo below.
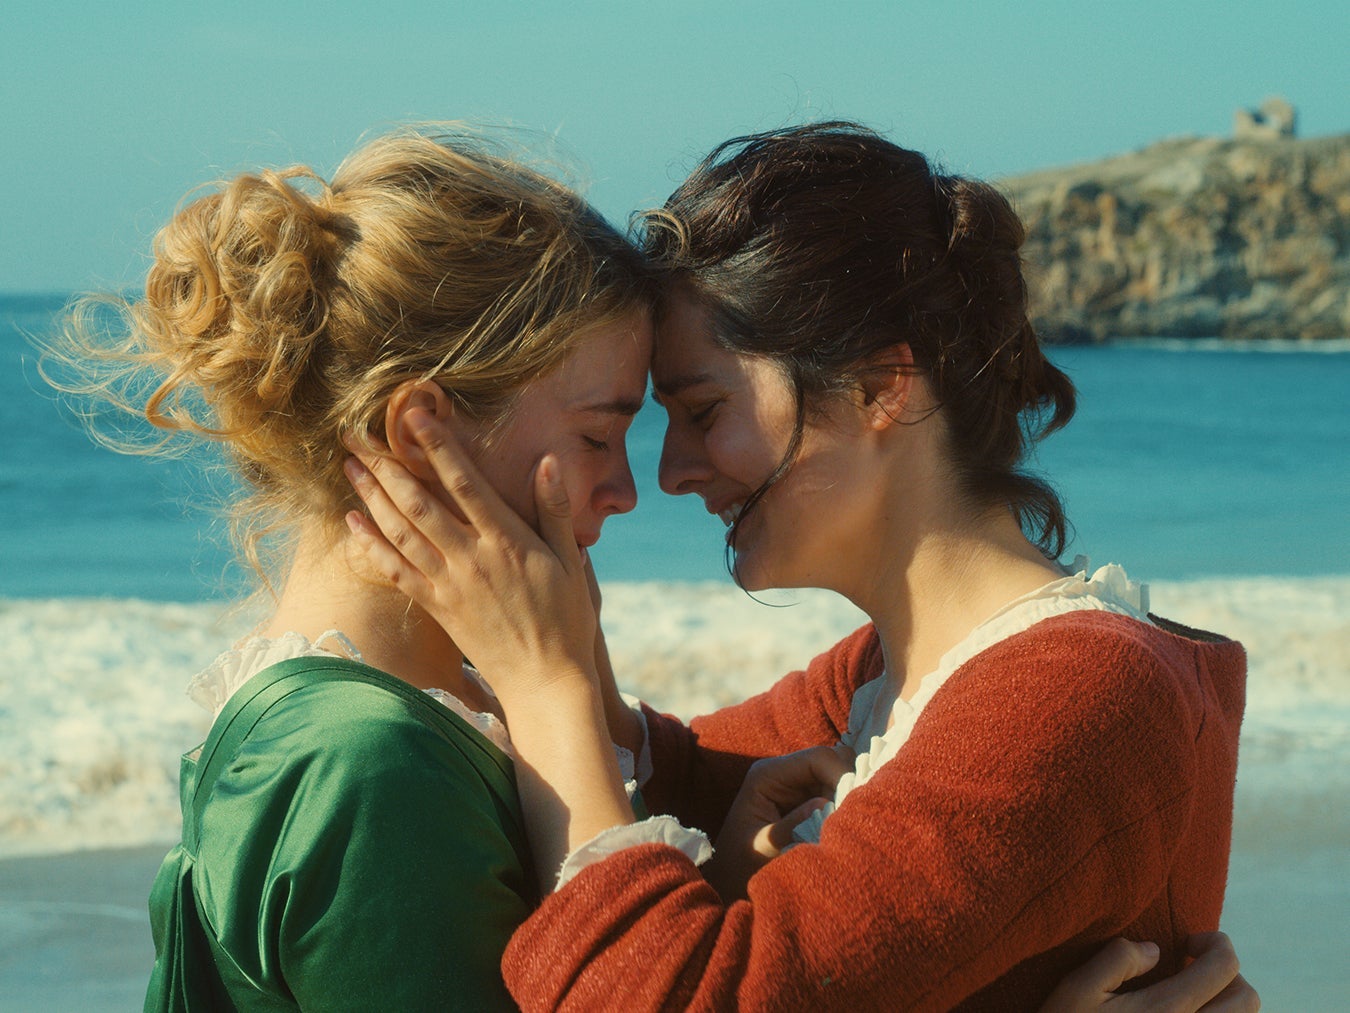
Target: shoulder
(1106, 648)
(854, 660)
(359, 729)
(365, 761)
(1093, 673)
(354, 830)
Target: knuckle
(418, 510)
(432, 441)
(479, 571)
(400, 537)
(460, 485)
(1118, 949)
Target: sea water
(1220, 474)
(1184, 460)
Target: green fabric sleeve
(353, 856)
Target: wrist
(565, 687)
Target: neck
(327, 588)
(935, 588)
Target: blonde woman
(352, 835)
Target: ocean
(1186, 459)
(1219, 474)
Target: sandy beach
(74, 932)
(95, 716)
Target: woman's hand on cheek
(516, 603)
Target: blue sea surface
(1186, 459)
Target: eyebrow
(672, 387)
(624, 406)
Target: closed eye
(704, 414)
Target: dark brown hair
(819, 246)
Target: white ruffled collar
(214, 685)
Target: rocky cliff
(1192, 237)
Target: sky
(111, 113)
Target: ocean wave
(94, 715)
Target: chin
(750, 576)
(758, 571)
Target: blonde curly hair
(281, 312)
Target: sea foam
(94, 716)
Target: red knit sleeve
(1036, 809)
(697, 770)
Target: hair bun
(242, 283)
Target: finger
(1091, 985)
(833, 763)
(387, 560)
(772, 839)
(1118, 962)
(816, 770)
(463, 483)
(1237, 997)
(555, 513)
(415, 527)
(399, 483)
(1215, 967)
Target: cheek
(742, 453)
(581, 478)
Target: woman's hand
(515, 602)
(1210, 982)
(518, 605)
(777, 794)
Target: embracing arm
(974, 851)
(697, 770)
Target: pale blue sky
(110, 112)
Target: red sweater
(1069, 784)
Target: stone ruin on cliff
(1275, 119)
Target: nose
(617, 494)
(684, 466)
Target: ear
(887, 385)
(427, 396)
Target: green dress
(348, 843)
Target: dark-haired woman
(1033, 763)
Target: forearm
(566, 773)
(1045, 834)
(625, 728)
